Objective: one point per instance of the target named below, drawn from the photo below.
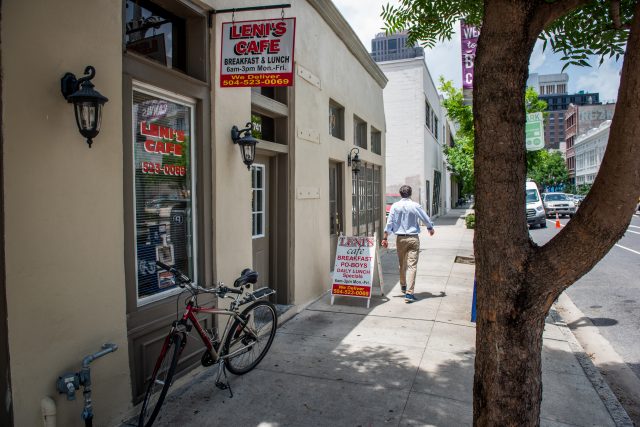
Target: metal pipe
(49, 411)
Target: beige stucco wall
(63, 207)
(344, 79)
(231, 179)
(64, 212)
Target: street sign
(534, 132)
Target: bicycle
(246, 338)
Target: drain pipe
(48, 407)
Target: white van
(535, 208)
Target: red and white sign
(354, 264)
(257, 53)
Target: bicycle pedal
(221, 385)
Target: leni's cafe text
(166, 141)
(257, 53)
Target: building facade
(393, 47)
(549, 84)
(589, 151)
(415, 133)
(553, 89)
(164, 181)
(579, 120)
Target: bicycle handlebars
(184, 281)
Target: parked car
(578, 198)
(559, 203)
(535, 208)
(390, 199)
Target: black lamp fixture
(87, 102)
(354, 161)
(247, 143)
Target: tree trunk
(517, 280)
(507, 384)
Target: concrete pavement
(392, 364)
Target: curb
(609, 399)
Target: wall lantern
(354, 161)
(247, 143)
(87, 102)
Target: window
(376, 141)
(366, 199)
(392, 45)
(163, 189)
(427, 119)
(155, 33)
(258, 200)
(336, 120)
(359, 132)
(435, 126)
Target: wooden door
(335, 209)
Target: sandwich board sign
(354, 267)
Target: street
(609, 296)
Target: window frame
(428, 113)
(376, 143)
(358, 125)
(264, 201)
(340, 119)
(151, 90)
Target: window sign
(257, 53)
(164, 199)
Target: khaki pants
(408, 248)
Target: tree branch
(614, 11)
(546, 13)
(604, 216)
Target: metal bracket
(245, 9)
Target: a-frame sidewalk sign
(353, 273)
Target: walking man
(403, 221)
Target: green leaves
(548, 169)
(590, 31)
(583, 33)
(460, 156)
(430, 21)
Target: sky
(444, 58)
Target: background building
(552, 88)
(415, 133)
(549, 84)
(579, 120)
(589, 151)
(394, 46)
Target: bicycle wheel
(160, 380)
(251, 343)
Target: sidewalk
(393, 364)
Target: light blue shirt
(403, 218)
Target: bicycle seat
(246, 276)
